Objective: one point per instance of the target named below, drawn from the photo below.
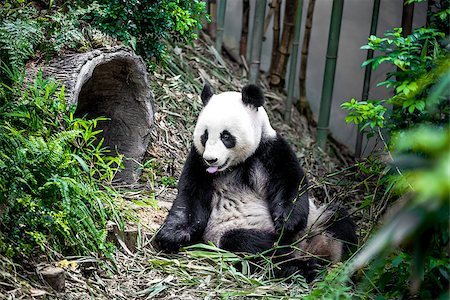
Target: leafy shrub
(25, 31)
(145, 25)
(26, 27)
(18, 37)
(408, 255)
(52, 169)
(414, 57)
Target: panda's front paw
(171, 238)
(288, 224)
(285, 223)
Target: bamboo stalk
(212, 11)
(367, 73)
(293, 65)
(280, 63)
(220, 25)
(268, 16)
(303, 104)
(258, 27)
(330, 72)
(276, 32)
(244, 30)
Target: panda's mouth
(214, 169)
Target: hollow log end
(111, 83)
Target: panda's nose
(211, 161)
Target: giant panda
(242, 188)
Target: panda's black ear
(252, 95)
(207, 93)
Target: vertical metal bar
(330, 71)
(258, 28)
(220, 24)
(367, 73)
(293, 63)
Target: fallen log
(112, 83)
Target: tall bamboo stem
(367, 73)
(258, 28)
(244, 30)
(303, 104)
(276, 31)
(280, 63)
(220, 25)
(293, 66)
(212, 11)
(330, 71)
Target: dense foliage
(52, 173)
(146, 25)
(408, 255)
(30, 28)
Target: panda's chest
(239, 205)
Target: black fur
(228, 139)
(252, 95)
(190, 211)
(204, 137)
(289, 207)
(342, 227)
(207, 93)
(257, 241)
(250, 241)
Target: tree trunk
(244, 30)
(303, 104)
(212, 11)
(276, 4)
(55, 277)
(112, 83)
(429, 13)
(280, 63)
(407, 18)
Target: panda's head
(230, 127)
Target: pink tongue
(212, 170)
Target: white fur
(226, 111)
(238, 207)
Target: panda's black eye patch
(204, 137)
(228, 139)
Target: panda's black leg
(247, 240)
(342, 227)
(257, 241)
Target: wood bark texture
(244, 30)
(212, 11)
(303, 104)
(284, 49)
(55, 277)
(113, 83)
(276, 4)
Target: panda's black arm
(289, 205)
(190, 211)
